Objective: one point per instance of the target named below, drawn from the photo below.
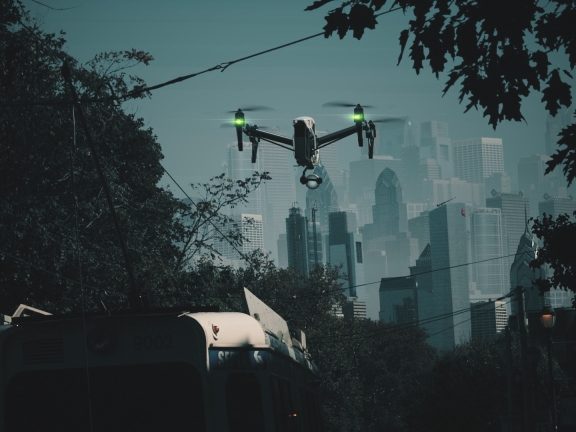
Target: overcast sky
(189, 36)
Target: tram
(158, 371)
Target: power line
(138, 91)
(419, 323)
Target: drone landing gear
(254, 142)
(370, 135)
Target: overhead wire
(420, 322)
(141, 90)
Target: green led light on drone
(239, 122)
(358, 116)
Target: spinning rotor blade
(341, 104)
(253, 108)
(232, 126)
(391, 120)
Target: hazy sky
(189, 36)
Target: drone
(305, 143)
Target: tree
(370, 371)
(55, 225)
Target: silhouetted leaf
(556, 93)
(317, 4)
(417, 56)
(361, 17)
(403, 39)
(336, 20)
(567, 73)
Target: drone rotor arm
(335, 136)
(270, 136)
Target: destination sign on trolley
(237, 359)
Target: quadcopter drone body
(305, 143)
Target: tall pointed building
(521, 274)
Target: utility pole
(314, 210)
(509, 377)
(136, 299)
(526, 380)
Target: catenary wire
(137, 92)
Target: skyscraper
(513, 208)
(279, 192)
(439, 191)
(522, 275)
(477, 159)
(555, 206)
(533, 181)
(449, 248)
(240, 167)
(346, 249)
(251, 227)
(488, 319)
(324, 198)
(435, 144)
(419, 228)
(489, 245)
(389, 212)
(363, 176)
(297, 241)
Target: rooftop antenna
(447, 201)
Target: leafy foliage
(556, 251)
(488, 45)
(55, 225)
(467, 389)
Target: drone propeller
(253, 108)
(232, 126)
(340, 104)
(391, 120)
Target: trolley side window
(312, 410)
(285, 417)
(244, 403)
(146, 397)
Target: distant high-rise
(534, 183)
(488, 319)
(521, 274)
(489, 245)
(282, 251)
(553, 127)
(363, 176)
(346, 249)
(439, 191)
(435, 144)
(279, 192)
(477, 159)
(251, 227)
(399, 301)
(498, 181)
(324, 198)
(297, 241)
(419, 228)
(513, 208)
(555, 206)
(449, 252)
(240, 167)
(389, 212)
